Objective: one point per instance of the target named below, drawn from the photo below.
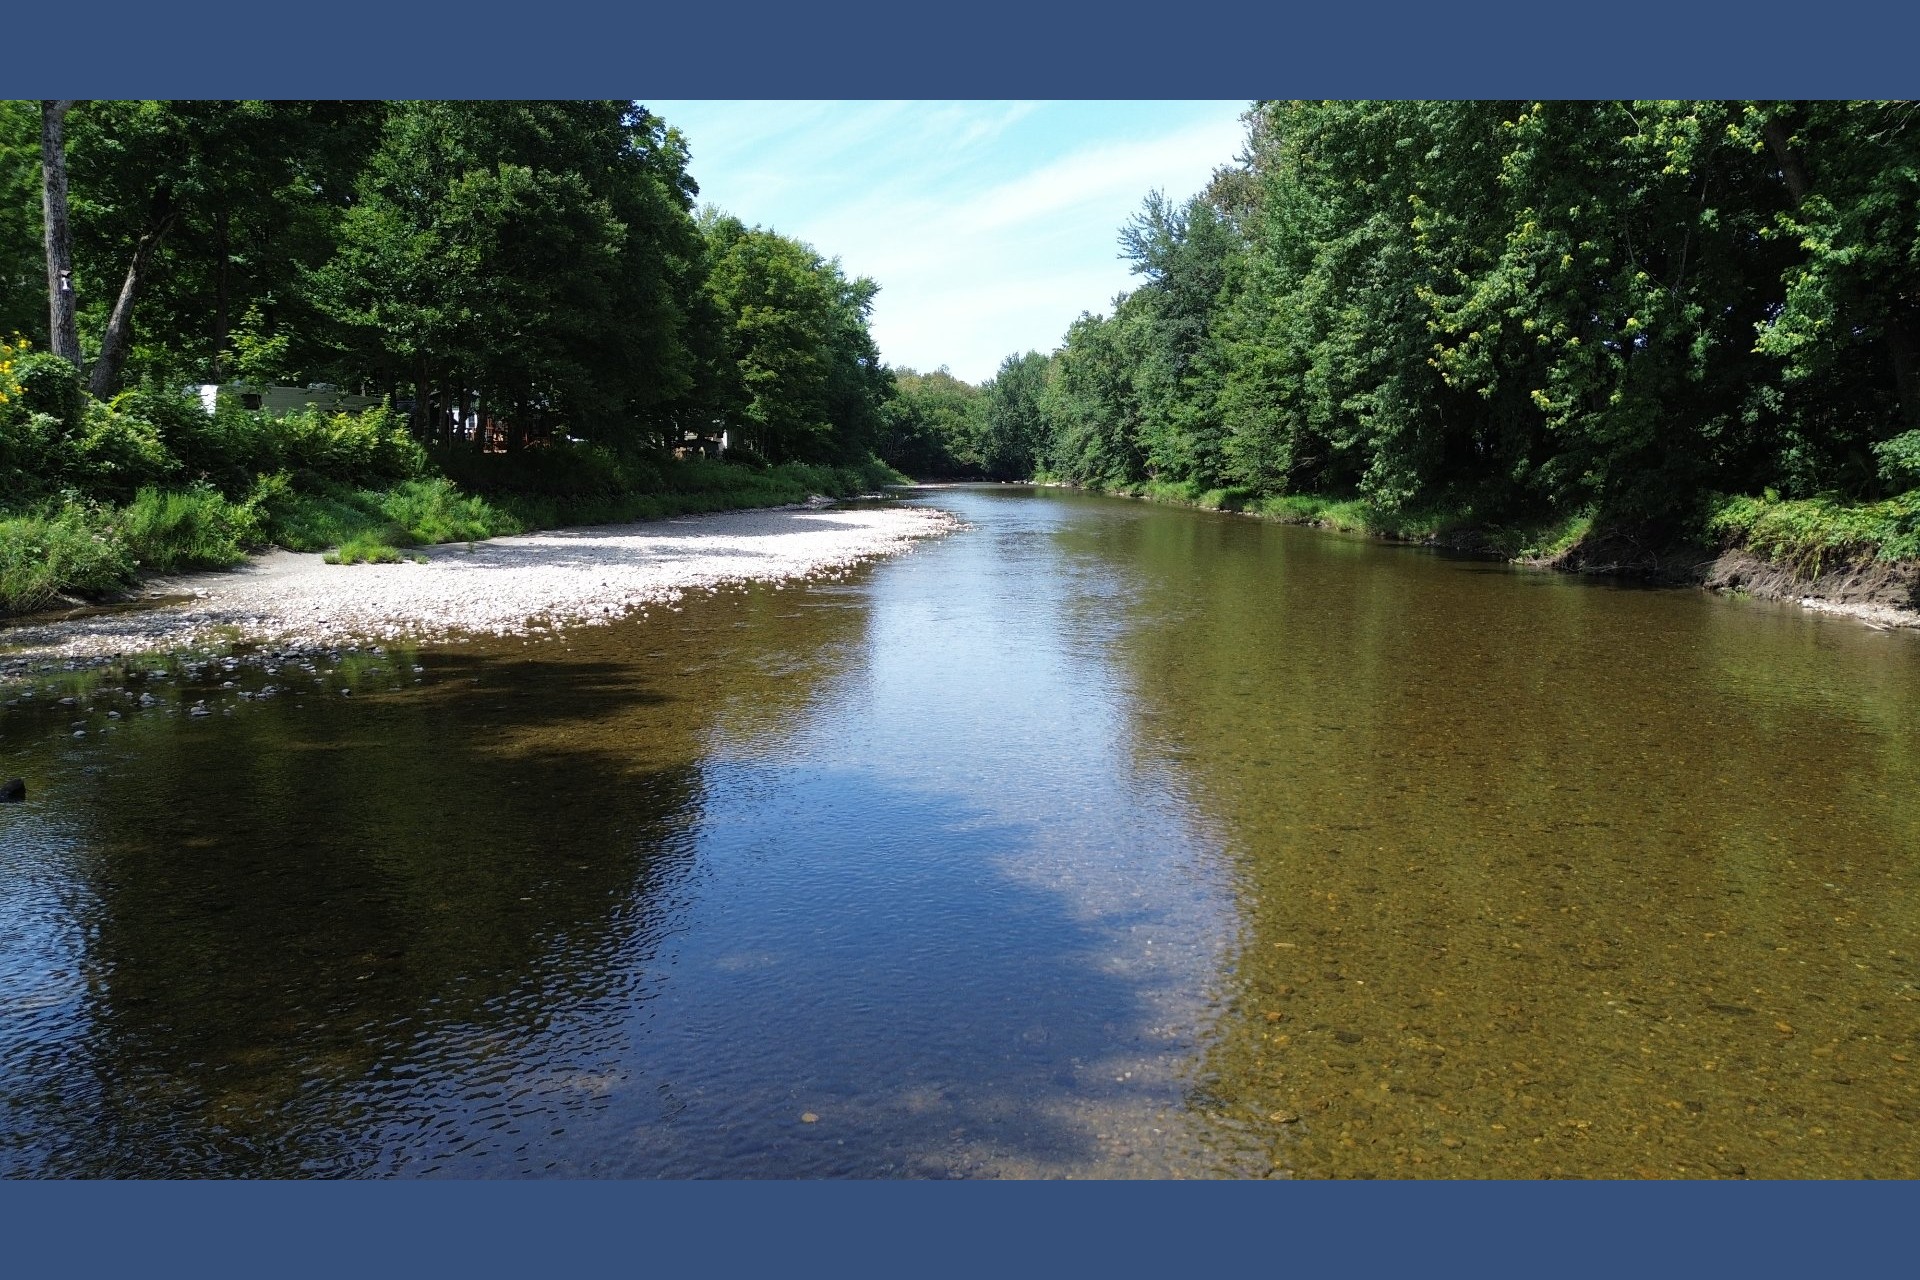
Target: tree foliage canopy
(1516, 307)
(538, 261)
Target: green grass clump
(196, 528)
(1348, 515)
(1554, 538)
(412, 512)
(434, 511)
(85, 549)
(314, 519)
(1810, 534)
(69, 548)
(365, 548)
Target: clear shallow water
(1097, 840)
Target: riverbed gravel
(505, 586)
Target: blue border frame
(996, 49)
(990, 49)
(986, 1229)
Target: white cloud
(1108, 173)
(989, 226)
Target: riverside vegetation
(1550, 331)
(1522, 327)
(524, 289)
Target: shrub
(189, 433)
(369, 448)
(115, 453)
(372, 447)
(1899, 460)
(11, 354)
(32, 455)
(50, 385)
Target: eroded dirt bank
(1886, 595)
(1874, 592)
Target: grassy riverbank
(1457, 525)
(96, 493)
(69, 544)
(1801, 538)
(1812, 535)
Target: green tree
(23, 262)
(1013, 422)
(1510, 307)
(1092, 405)
(526, 253)
(812, 384)
(933, 426)
(1846, 334)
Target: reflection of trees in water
(318, 930)
(1517, 863)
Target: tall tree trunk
(422, 399)
(1793, 166)
(117, 341)
(63, 333)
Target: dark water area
(1096, 840)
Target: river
(1097, 839)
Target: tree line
(1500, 309)
(544, 328)
(1497, 311)
(542, 263)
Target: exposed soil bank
(505, 586)
(1875, 592)
(1886, 595)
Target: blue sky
(989, 225)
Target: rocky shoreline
(533, 583)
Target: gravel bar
(504, 586)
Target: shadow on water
(319, 891)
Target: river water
(1095, 840)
